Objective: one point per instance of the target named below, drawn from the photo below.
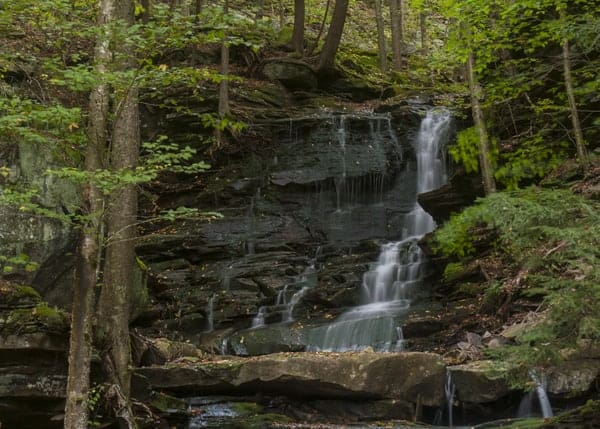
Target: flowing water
(391, 283)
(526, 406)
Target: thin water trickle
(210, 308)
(450, 391)
(224, 349)
(391, 283)
(259, 320)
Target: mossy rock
(261, 421)
(246, 408)
(13, 295)
(39, 318)
(168, 404)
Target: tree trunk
(487, 173)
(113, 312)
(321, 28)
(224, 84)
(396, 18)
(260, 9)
(298, 35)
(86, 276)
(281, 15)
(198, 6)
(334, 36)
(381, 36)
(579, 141)
(146, 5)
(423, 25)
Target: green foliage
(9, 264)
(466, 149)
(31, 319)
(453, 269)
(25, 121)
(187, 213)
(555, 236)
(533, 158)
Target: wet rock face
(327, 184)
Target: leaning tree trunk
(579, 141)
(321, 28)
(120, 261)
(396, 19)
(487, 173)
(381, 36)
(298, 35)
(87, 268)
(334, 36)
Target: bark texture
(298, 34)
(577, 131)
(86, 275)
(113, 312)
(334, 36)
(397, 30)
(223, 108)
(487, 172)
(381, 36)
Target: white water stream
(392, 281)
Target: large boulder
(460, 192)
(405, 376)
(476, 382)
(572, 378)
(293, 74)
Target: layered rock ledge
(361, 375)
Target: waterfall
(259, 320)
(542, 395)
(210, 314)
(450, 391)
(390, 284)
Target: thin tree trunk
(396, 19)
(281, 15)
(298, 35)
(86, 277)
(146, 5)
(487, 173)
(334, 36)
(579, 141)
(223, 108)
(321, 29)
(198, 6)
(423, 25)
(113, 312)
(381, 36)
(260, 10)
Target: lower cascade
(526, 406)
(393, 281)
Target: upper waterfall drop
(391, 282)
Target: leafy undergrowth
(549, 243)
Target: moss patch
(39, 318)
(246, 408)
(12, 295)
